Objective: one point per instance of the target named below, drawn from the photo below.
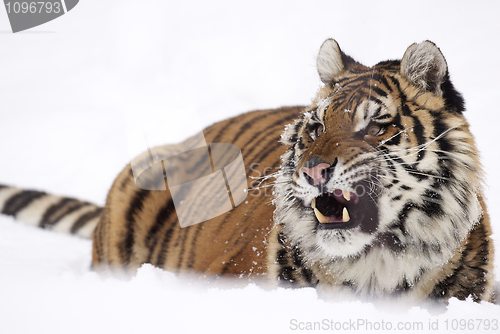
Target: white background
(76, 93)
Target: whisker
(397, 134)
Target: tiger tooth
(346, 194)
(313, 203)
(322, 219)
(345, 215)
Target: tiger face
(381, 167)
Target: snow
(78, 91)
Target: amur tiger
(376, 191)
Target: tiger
(376, 191)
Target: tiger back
(141, 226)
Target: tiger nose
(315, 175)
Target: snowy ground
(74, 90)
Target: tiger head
(382, 160)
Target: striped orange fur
(140, 226)
(418, 229)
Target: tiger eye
(319, 130)
(316, 132)
(373, 130)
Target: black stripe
(377, 113)
(126, 179)
(412, 170)
(19, 201)
(375, 76)
(374, 99)
(264, 153)
(192, 252)
(383, 80)
(394, 141)
(135, 206)
(269, 129)
(402, 286)
(182, 240)
(396, 198)
(390, 240)
(396, 121)
(309, 277)
(418, 130)
(57, 211)
(406, 109)
(360, 163)
(247, 126)
(481, 257)
(84, 219)
(96, 244)
(51, 210)
(359, 80)
(162, 253)
(379, 91)
(389, 65)
(99, 244)
(352, 102)
(395, 82)
(286, 277)
(222, 131)
(439, 128)
(402, 216)
(297, 257)
(202, 162)
(281, 238)
(161, 218)
(366, 111)
(431, 204)
(392, 168)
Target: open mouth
(336, 209)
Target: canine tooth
(313, 203)
(322, 219)
(345, 215)
(347, 194)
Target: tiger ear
(329, 62)
(424, 66)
